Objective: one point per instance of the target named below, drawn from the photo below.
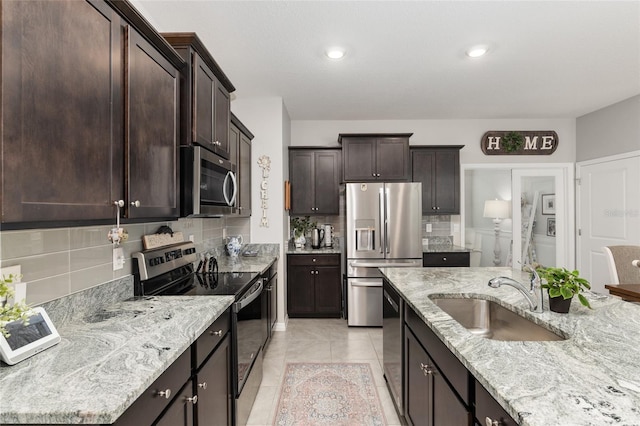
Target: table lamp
(497, 210)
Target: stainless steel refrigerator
(383, 230)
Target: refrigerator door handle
(387, 211)
(383, 224)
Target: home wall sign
(517, 142)
(265, 164)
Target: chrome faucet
(533, 294)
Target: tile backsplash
(57, 262)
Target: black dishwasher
(392, 339)
(270, 280)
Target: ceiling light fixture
(335, 53)
(477, 51)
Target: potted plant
(10, 312)
(562, 285)
(300, 226)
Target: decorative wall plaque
(516, 142)
(265, 164)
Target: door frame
(567, 171)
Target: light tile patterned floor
(319, 340)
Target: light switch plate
(118, 258)
(429, 227)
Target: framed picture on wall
(551, 227)
(548, 203)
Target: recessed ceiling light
(477, 51)
(335, 53)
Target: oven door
(209, 184)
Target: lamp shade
(497, 209)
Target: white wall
(443, 132)
(608, 131)
(268, 120)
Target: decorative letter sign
(519, 142)
(265, 164)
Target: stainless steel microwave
(208, 183)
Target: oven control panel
(157, 261)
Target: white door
(541, 212)
(608, 208)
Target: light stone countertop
(443, 248)
(267, 254)
(105, 361)
(592, 378)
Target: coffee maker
(328, 235)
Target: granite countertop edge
(590, 378)
(136, 339)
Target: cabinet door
(301, 177)
(300, 290)
(488, 410)
(62, 145)
(422, 169)
(392, 159)
(359, 159)
(204, 86)
(180, 412)
(328, 294)
(447, 408)
(446, 183)
(213, 386)
(152, 136)
(419, 402)
(221, 119)
(326, 184)
(244, 176)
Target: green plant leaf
(584, 301)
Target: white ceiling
(406, 60)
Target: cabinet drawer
(211, 337)
(488, 410)
(445, 259)
(151, 403)
(313, 259)
(454, 371)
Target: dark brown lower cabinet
(430, 399)
(488, 411)
(204, 398)
(313, 285)
(446, 259)
(180, 412)
(213, 387)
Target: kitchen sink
(488, 319)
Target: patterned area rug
(329, 394)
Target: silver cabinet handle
(165, 393)
(314, 259)
(426, 369)
(216, 333)
(135, 203)
(119, 203)
(444, 259)
(490, 422)
(193, 399)
(203, 385)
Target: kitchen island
(591, 378)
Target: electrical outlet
(192, 238)
(118, 258)
(429, 227)
(425, 241)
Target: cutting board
(160, 240)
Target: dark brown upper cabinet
(438, 168)
(78, 115)
(375, 157)
(240, 148)
(314, 174)
(205, 104)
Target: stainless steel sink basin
(493, 321)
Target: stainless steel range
(169, 271)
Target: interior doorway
(540, 226)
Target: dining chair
(621, 264)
